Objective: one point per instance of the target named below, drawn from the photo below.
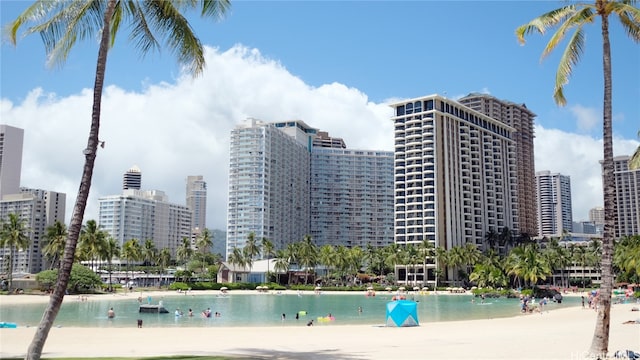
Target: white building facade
(145, 215)
(11, 139)
(554, 204)
(268, 183)
(627, 197)
(455, 176)
(351, 197)
(196, 200)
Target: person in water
(111, 314)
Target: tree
(184, 251)
(92, 240)
(60, 23)
(634, 162)
(112, 249)
(204, 242)
(55, 239)
(250, 250)
(131, 251)
(164, 259)
(575, 17)
(308, 256)
(268, 250)
(14, 236)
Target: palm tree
(91, 241)
(251, 249)
(281, 263)
(60, 23)
(131, 251)
(111, 250)
(13, 235)
(55, 238)
(308, 255)
(634, 162)
(575, 17)
(204, 242)
(268, 250)
(164, 259)
(238, 258)
(184, 251)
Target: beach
(557, 334)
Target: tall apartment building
(455, 175)
(11, 139)
(196, 201)
(554, 204)
(145, 215)
(519, 117)
(351, 197)
(596, 215)
(132, 179)
(269, 182)
(627, 197)
(38, 209)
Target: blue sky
(333, 64)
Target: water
(266, 310)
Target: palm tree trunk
(37, 344)
(600, 341)
(10, 270)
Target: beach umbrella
(224, 288)
(388, 288)
(402, 288)
(415, 288)
(369, 287)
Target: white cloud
(586, 118)
(577, 156)
(172, 130)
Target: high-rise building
(455, 176)
(132, 179)
(519, 117)
(596, 215)
(554, 204)
(38, 209)
(627, 194)
(269, 182)
(11, 139)
(145, 215)
(197, 202)
(322, 139)
(351, 197)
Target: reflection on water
(261, 309)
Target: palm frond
(544, 22)
(141, 34)
(215, 8)
(576, 19)
(629, 18)
(179, 34)
(570, 57)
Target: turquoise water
(266, 310)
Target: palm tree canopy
(62, 23)
(574, 17)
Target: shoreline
(557, 334)
(14, 299)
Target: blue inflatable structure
(402, 313)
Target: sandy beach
(558, 334)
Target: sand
(557, 334)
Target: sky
(334, 64)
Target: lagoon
(265, 309)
